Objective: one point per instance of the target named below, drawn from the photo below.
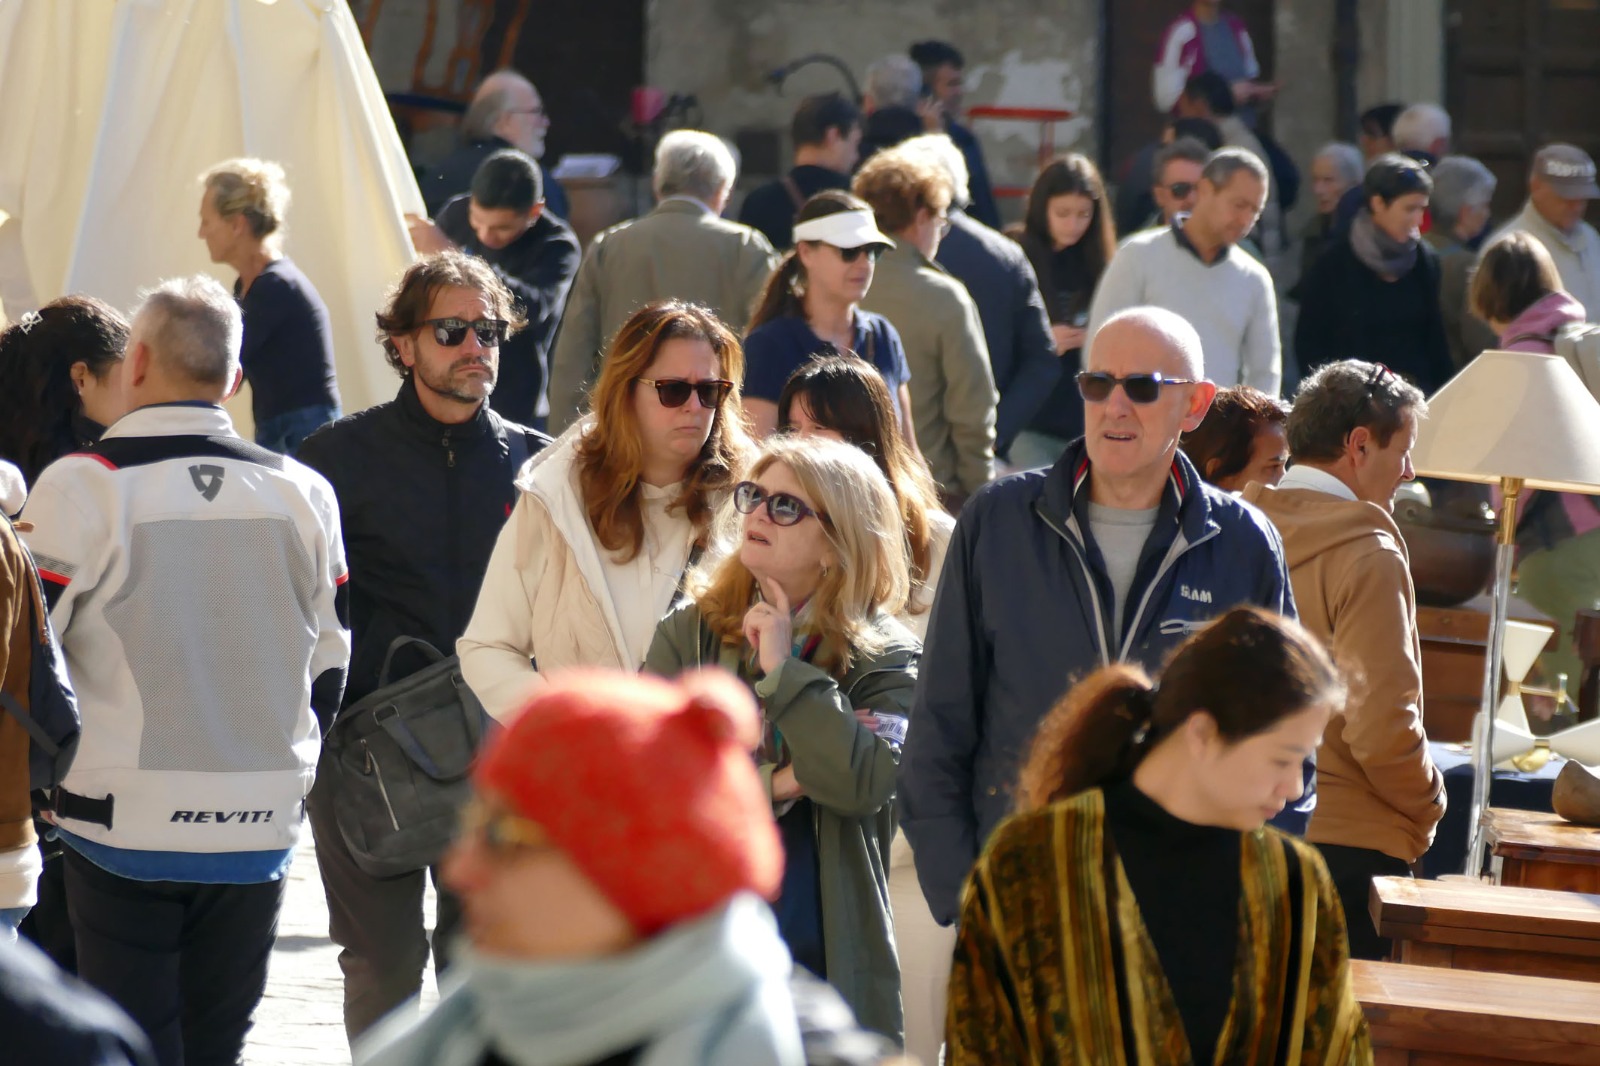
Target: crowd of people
(986, 587)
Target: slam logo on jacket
(1194, 594)
(207, 480)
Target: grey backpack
(400, 758)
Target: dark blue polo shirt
(778, 348)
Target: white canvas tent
(110, 109)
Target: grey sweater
(1229, 302)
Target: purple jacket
(1535, 329)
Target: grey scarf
(1381, 253)
(713, 991)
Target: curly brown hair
(411, 299)
(898, 184)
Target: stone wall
(1020, 53)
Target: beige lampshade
(1581, 742)
(1513, 414)
(1513, 712)
(1524, 642)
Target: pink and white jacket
(1181, 56)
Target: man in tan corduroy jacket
(1380, 796)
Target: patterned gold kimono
(1054, 966)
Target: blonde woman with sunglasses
(609, 516)
(801, 609)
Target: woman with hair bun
(288, 340)
(1137, 911)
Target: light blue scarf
(713, 991)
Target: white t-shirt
(642, 588)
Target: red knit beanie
(649, 786)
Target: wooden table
(1536, 849)
(1470, 925)
(1430, 1016)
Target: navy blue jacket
(421, 505)
(1022, 351)
(1024, 609)
(49, 1016)
(983, 206)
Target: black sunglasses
(782, 508)
(450, 332)
(1380, 375)
(850, 255)
(675, 392)
(1181, 189)
(1096, 385)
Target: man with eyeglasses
(1116, 553)
(1351, 432)
(424, 484)
(506, 111)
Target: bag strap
(794, 192)
(434, 655)
(678, 594)
(34, 730)
(395, 726)
(520, 445)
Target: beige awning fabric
(111, 109)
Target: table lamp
(1521, 422)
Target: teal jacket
(847, 772)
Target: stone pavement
(301, 1020)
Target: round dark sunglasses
(1096, 385)
(450, 332)
(782, 508)
(675, 392)
(1181, 189)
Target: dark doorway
(1519, 74)
(1133, 30)
(586, 58)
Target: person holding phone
(800, 607)
(1069, 239)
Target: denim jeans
(283, 433)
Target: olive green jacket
(848, 774)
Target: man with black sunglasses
(1116, 553)
(424, 484)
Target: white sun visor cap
(843, 229)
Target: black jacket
(454, 177)
(1022, 352)
(1349, 312)
(421, 504)
(538, 268)
(49, 1016)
